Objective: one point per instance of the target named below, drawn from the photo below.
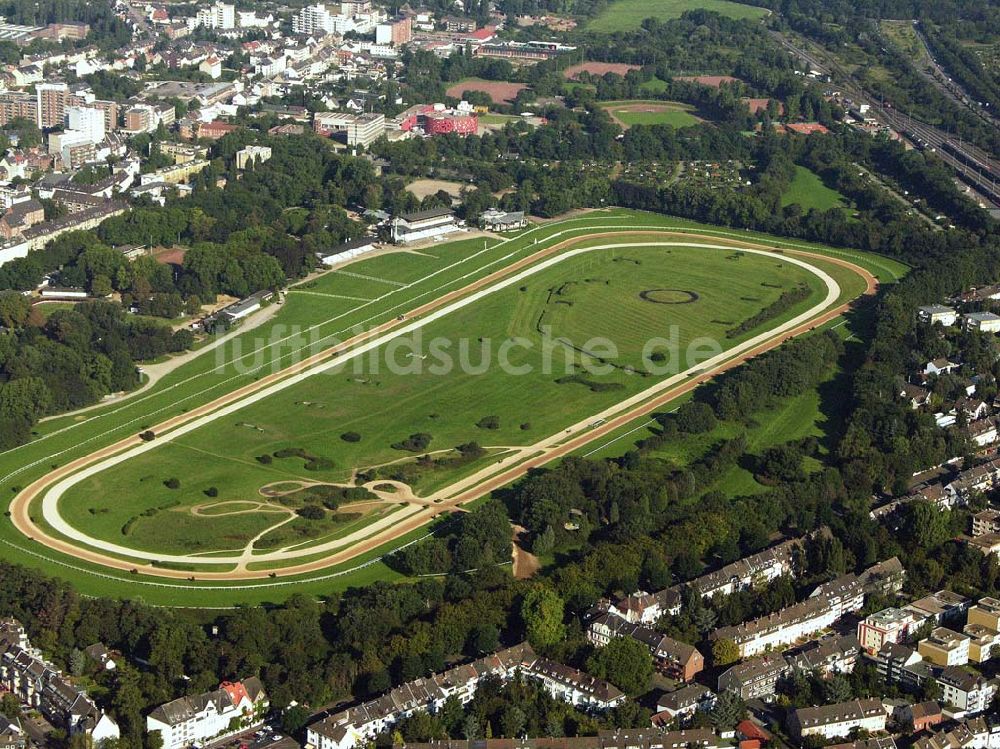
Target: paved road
(64, 476)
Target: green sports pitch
(628, 15)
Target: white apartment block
(256, 154)
(966, 691)
(357, 726)
(86, 120)
(230, 709)
(217, 16)
(834, 721)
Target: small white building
(984, 322)
(937, 314)
(346, 251)
(256, 154)
(494, 220)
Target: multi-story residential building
(396, 32)
(986, 612)
(51, 99)
(743, 574)
(970, 734)
(901, 665)
(217, 16)
(782, 627)
(986, 521)
(965, 690)
(758, 677)
(755, 678)
(833, 654)
(685, 702)
(888, 625)
(982, 641)
(41, 686)
(833, 721)
(942, 607)
(230, 709)
(828, 603)
(17, 105)
(945, 647)
(73, 149)
(315, 18)
(984, 322)
(12, 735)
(360, 724)
(142, 118)
(256, 154)
(20, 217)
(677, 659)
(975, 480)
(937, 314)
(87, 120)
(175, 174)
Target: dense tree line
(71, 360)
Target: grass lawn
(808, 190)
(653, 86)
(629, 113)
(628, 15)
(695, 292)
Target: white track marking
(50, 502)
(363, 277)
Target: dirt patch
(501, 92)
(169, 255)
(526, 564)
(598, 69)
(421, 188)
(715, 81)
(756, 106)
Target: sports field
(653, 112)
(297, 433)
(628, 15)
(808, 190)
(400, 393)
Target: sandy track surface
(475, 486)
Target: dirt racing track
(45, 493)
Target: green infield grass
(651, 112)
(677, 294)
(808, 190)
(628, 15)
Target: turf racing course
(597, 233)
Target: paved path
(507, 469)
